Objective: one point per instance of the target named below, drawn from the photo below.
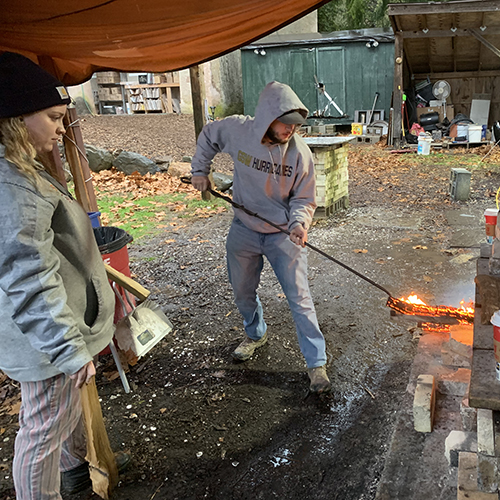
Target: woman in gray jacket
(56, 306)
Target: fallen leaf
(419, 247)
(427, 279)
(358, 250)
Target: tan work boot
(246, 349)
(320, 383)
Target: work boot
(320, 383)
(246, 349)
(78, 479)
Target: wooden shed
(353, 65)
(458, 42)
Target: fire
(414, 306)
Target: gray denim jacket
(56, 304)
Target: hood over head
(275, 100)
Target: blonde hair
(18, 148)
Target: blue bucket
(94, 218)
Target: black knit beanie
(25, 87)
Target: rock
(163, 162)
(129, 163)
(180, 169)
(99, 159)
(187, 159)
(222, 181)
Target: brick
(467, 488)
(462, 348)
(485, 432)
(469, 415)
(487, 473)
(455, 384)
(456, 442)
(424, 403)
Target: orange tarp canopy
(75, 38)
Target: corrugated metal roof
(364, 35)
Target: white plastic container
(424, 145)
(474, 133)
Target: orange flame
(414, 306)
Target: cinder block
(450, 358)
(424, 403)
(456, 442)
(494, 266)
(455, 384)
(467, 487)
(487, 473)
(485, 251)
(485, 432)
(469, 415)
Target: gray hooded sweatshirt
(275, 181)
(56, 305)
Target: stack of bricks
(332, 178)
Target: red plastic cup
(491, 214)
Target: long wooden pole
(198, 98)
(398, 90)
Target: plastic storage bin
(474, 133)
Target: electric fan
(441, 90)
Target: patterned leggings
(51, 437)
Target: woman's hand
(299, 235)
(84, 375)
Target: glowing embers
(433, 318)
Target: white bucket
(424, 145)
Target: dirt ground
(199, 425)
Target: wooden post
(197, 95)
(397, 117)
(77, 159)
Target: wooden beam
(443, 8)
(398, 89)
(198, 97)
(475, 33)
(458, 74)
(449, 33)
(87, 174)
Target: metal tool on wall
(322, 90)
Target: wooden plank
(102, 464)
(151, 85)
(82, 155)
(128, 283)
(485, 42)
(170, 109)
(484, 389)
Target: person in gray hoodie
(56, 305)
(273, 177)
